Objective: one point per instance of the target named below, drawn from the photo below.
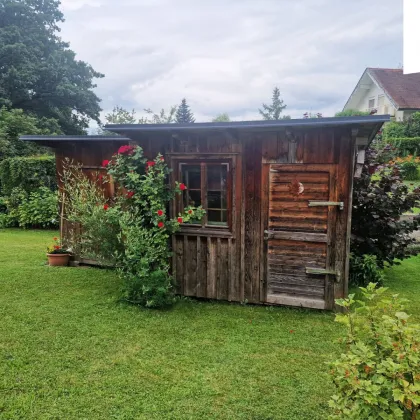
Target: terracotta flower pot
(58, 260)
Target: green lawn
(69, 350)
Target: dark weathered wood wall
(231, 265)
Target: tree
(273, 111)
(184, 114)
(14, 123)
(162, 117)
(38, 71)
(224, 117)
(119, 115)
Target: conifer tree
(273, 111)
(184, 113)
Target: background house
(388, 91)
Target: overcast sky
(227, 55)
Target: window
(371, 103)
(208, 185)
(381, 104)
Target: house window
(208, 185)
(371, 103)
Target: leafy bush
(404, 145)
(37, 209)
(407, 128)
(28, 173)
(378, 377)
(94, 232)
(364, 270)
(378, 203)
(409, 166)
(131, 228)
(351, 113)
(40, 209)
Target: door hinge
(340, 204)
(324, 271)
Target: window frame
(205, 160)
(371, 99)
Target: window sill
(208, 232)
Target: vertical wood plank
(211, 267)
(265, 186)
(252, 219)
(185, 264)
(179, 250)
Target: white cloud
(226, 56)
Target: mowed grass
(70, 350)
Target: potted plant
(57, 254)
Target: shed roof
(367, 125)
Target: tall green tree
(14, 123)
(274, 110)
(184, 113)
(162, 117)
(38, 71)
(224, 117)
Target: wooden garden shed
(277, 196)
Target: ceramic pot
(58, 260)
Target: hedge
(405, 145)
(28, 173)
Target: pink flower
(105, 162)
(162, 159)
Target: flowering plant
(57, 248)
(141, 209)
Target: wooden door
(299, 236)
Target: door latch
(268, 235)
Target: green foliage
(39, 73)
(161, 117)
(402, 129)
(14, 123)
(37, 209)
(403, 145)
(224, 117)
(145, 227)
(84, 200)
(184, 113)
(378, 377)
(364, 270)
(28, 173)
(273, 111)
(351, 113)
(57, 247)
(378, 203)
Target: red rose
(160, 212)
(126, 150)
(56, 247)
(180, 220)
(190, 212)
(161, 224)
(150, 163)
(130, 194)
(182, 187)
(106, 207)
(105, 162)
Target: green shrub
(40, 209)
(378, 203)
(403, 145)
(364, 270)
(378, 376)
(27, 173)
(37, 209)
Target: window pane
(215, 218)
(214, 199)
(216, 177)
(191, 176)
(192, 198)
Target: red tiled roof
(404, 89)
